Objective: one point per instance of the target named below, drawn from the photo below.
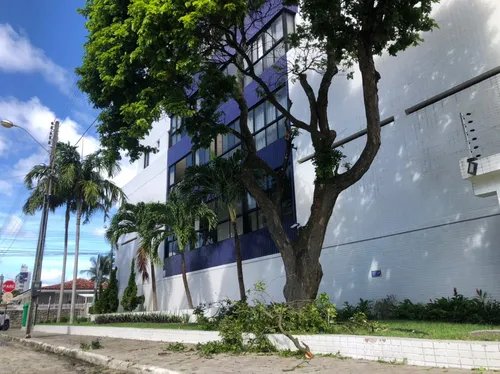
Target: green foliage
(96, 344)
(111, 292)
(137, 318)
(130, 300)
(107, 301)
(457, 309)
(176, 347)
(235, 320)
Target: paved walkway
(15, 358)
(154, 353)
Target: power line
(88, 128)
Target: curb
(92, 358)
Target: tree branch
(370, 95)
(326, 82)
(311, 97)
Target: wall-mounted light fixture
(472, 166)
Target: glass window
(219, 145)
(290, 23)
(260, 47)
(223, 231)
(222, 213)
(146, 159)
(180, 169)
(259, 118)
(171, 175)
(270, 112)
(250, 121)
(251, 203)
(281, 97)
(253, 224)
(271, 133)
(259, 67)
(281, 128)
(277, 29)
(278, 51)
(202, 156)
(260, 140)
(225, 143)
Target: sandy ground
(15, 358)
(155, 354)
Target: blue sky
(41, 43)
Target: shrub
(232, 320)
(137, 318)
(385, 308)
(130, 300)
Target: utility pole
(36, 284)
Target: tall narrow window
(146, 159)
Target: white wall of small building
(411, 216)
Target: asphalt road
(17, 359)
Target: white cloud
(51, 276)
(18, 55)
(13, 226)
(6, 188)
(36, 118)
(99, 231)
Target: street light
(37, 269)
(9, 124)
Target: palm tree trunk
(65, 257)
(153, 287)
(185, 281)
(75, 269)
(239, 261)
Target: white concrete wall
(149, 185)
(395, 218)
(384, 222)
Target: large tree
(37, 181)
(145, 58)
(93, 193)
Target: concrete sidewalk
(154, 354)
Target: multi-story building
(413, 226)
(23, 279)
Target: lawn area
(403, 329)
(139, 325)
(436, 330)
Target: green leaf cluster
(130, 300)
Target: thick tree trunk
(75, 268)
(239, 261)
(65, 258)
(153, 287)
(185, 281)
(303, 275)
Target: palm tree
(220, 179)
(143, 219)
(37, 181)
(99, 270)
(92, 193)
(179, 215)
